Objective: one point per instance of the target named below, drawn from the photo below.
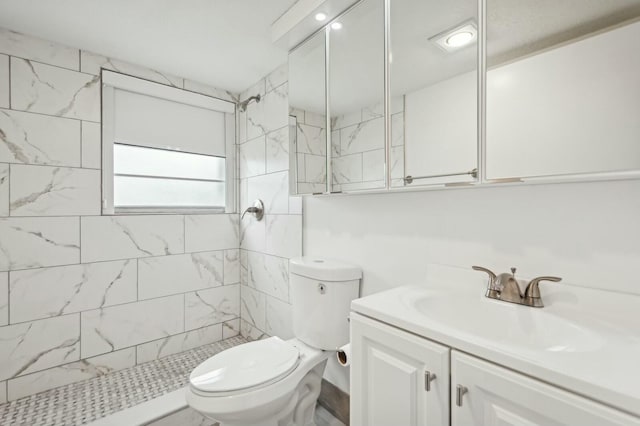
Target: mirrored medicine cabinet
(397, 95)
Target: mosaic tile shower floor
(86, 401)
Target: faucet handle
(532, 292)
(492, 276)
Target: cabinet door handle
(460, 390)
(428, 378)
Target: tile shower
(83, 295)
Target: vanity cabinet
(390, 374)
(397, 378)
(496, 396)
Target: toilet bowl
(280, 386)
(275, 382)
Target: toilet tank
(321, 295)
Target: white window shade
(145, 120)
(164, 149)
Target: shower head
(242, 106)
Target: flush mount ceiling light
(457, 37)
(336, 26)
(321, 16)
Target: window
(165, 150)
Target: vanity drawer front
(486, 394)
(397, 378)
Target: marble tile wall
(266, 246)
(82, 294)
(357, 141)
(311, 147)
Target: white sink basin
(507, 324)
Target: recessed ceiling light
(457, 37)
(321, 16)
(336, 25)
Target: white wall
(586, 233)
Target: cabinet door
(389, 377)
(497, 396)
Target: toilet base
(299, 410)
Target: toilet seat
(246, 366)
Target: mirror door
(307, 116)
(356, 98)
(563, 88)
(434, 92)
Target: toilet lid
(245, 366)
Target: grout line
(10, 94)
(49, 115)
(55, 66)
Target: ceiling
(515, 28)
(224, 43)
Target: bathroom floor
(86, 401)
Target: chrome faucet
(505, 287)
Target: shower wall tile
(315, 119)
(34, 346)
(355, 186)
(178, 343)
(47, 292)
(347, 169)
(258, 88)
(211, 232)
(244, 267)
(70, 373)
(124, 237)
(54, 191)
(311, 139)
(4, 190)
(253, 307)
(397, 162)
(284, 235)
(270, 114)
(346, 120)
(315, 168)
(39, 139)
(231, 328)
(273, 190)
(269, 274)
(166, 275)
(251, 332)
(225, 95)
(253, 158)
(231, 266)
(279, 321)
(54, 91)
(253, 234)
(397, 129)
(91, 145)
(39, 242)
(277, 77)
(91, 64)
(212, 306)
(373, 165)
(363, 136)
(36, 49)
(4, 81)
(295, 205)
(115, 327)
(4, 298)
(277, 150)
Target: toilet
(275, 382)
